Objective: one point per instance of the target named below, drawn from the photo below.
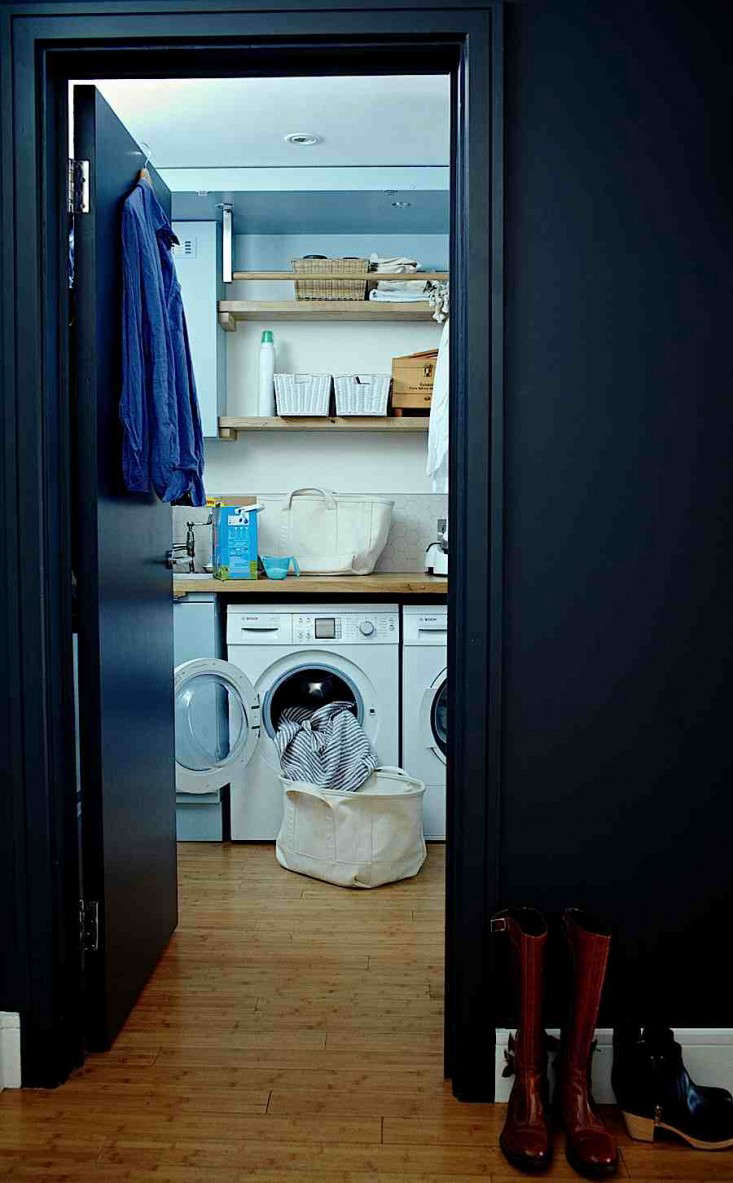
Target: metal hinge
(78, 186)
(89, 925)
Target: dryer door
(217, 723)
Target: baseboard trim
(707, 1051)
(9, 1050)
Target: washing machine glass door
(312, 683)
(217, 723)
(439, 717)
(434, 716)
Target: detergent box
(234, 549)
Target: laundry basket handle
(326, 494)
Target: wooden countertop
(408, 583)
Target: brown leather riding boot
(591, 1150)
(525, 1139)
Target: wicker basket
(303, 394)
(330, 289)
(361, 394)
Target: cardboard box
(234, 550)
(412, 380)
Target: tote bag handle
(326, 494)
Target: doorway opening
(248, 208)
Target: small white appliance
(281, 655)
(425, 706)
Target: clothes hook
(144, 175)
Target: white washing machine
(425, 706)
(280, 655)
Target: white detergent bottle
(266, 383)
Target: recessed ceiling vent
(303, 139)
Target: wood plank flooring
(292, 1033)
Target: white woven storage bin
(303, 394)
(362, 394)
(361, 839)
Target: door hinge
(89, 925)
(78, 186)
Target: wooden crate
(412, 381)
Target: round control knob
(366, 628)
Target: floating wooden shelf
(371, 276)
(232, 311)
(410, 583)
(230, 426)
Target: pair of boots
(526, 1140)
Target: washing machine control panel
(349, 628)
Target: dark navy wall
(618, 727)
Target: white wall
(273, 463)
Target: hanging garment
(163, 445)
(327, 747)
(437, 466)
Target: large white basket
(303, 394)
(361, 394)
(360, 839)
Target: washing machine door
(434, 721)
(313, 680)
(217, 723)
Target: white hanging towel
(437, 466)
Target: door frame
(44, 44)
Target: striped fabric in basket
(327, 747)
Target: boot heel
(641, 1129)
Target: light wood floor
(292, 1032)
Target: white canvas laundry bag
(358, 839)
(334, 533)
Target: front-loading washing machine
(425, 706)
(280, 655)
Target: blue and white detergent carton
(234, 553)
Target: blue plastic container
(279, 568)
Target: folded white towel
(397, 285)
(396, 265)
(402, 297)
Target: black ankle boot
(654, 1091)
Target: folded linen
(396, 264)
(399, 285)
(401, 297)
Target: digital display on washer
(326, 628)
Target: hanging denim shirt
(163, 445)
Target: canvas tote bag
(334, 533)
(360, 839)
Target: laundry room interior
(309, 558)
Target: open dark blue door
(125, 615)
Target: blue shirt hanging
(163, 446)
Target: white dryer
(425, 706)
(280, 655)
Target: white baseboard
(9, 1050)
(707, 1052)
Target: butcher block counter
(409, 583)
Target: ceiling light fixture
(401, 204)
(303, 139)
